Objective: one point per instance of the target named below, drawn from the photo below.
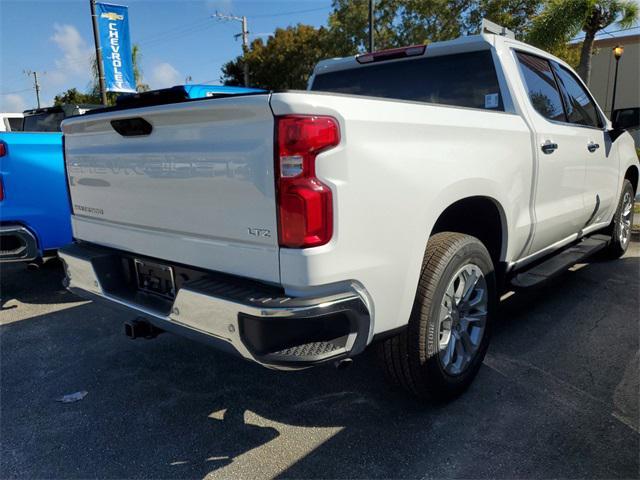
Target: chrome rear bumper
(271, 329)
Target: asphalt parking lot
(557, 397)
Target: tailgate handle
(132, 127)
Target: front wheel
(621, 224)
(441, 351)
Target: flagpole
(96, 39)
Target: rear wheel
(442, 349)
(621, 224)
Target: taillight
(305, 210)
(391, 54)
(3, 152)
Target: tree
(285, 60)
(136, 58)
(74, 96)
(561, 20)
(515, 15)
(349, 24)
(93, 95)
(407, 22)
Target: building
(603, 72)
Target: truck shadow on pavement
(41, 286)
(553, 399)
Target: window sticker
(491, 100)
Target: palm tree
(136, 57)
(561, 20)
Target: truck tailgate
(197, 190)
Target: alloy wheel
(626, 216)
(462, 320)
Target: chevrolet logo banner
(112, 16)
(113, 27)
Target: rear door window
(462, 80)
(15, 124)
(541, 86)
(581, 109)
(43, 122)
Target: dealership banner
(113, 25)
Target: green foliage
(136, 60)
(568, 53)
(515, 15)
(561, 20)
(93, 94)
(406, 22)
(74, 96)
(285, 60)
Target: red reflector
(305, 204)
(1, 189)
(3, 149)
(391, 54)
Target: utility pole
(245, 40)
(96, 40)
(371, 22)
(35, 83)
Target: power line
(245, 40)
(173, 32)
(35, 83)
(608, 33)
(283, 14)
(16, 91)
(181, 34)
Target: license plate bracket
(155, 278)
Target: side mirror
(626, 118)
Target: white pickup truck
(389, 204)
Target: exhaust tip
(34, 265)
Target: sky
(177, 38)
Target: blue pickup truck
(34, 203)
(34, 206)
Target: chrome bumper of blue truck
(17, 244)
(259, 322)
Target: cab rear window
(461, 80)
(43, 122)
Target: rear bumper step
(257, 321)
(17, 244)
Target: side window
(15, 124)
(542, 87)
(580, 108)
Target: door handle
(592, 147)
(549, 147)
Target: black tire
(619, 243)
(411, 359)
